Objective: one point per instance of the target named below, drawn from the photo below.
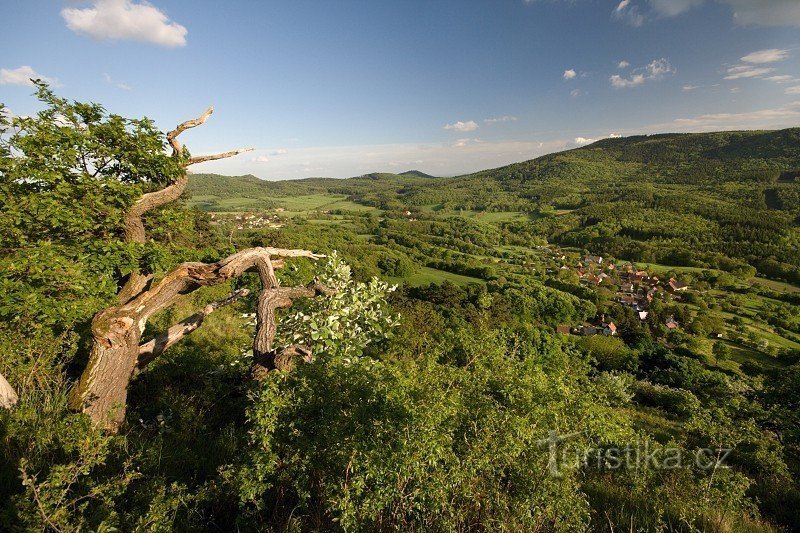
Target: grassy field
(655, 267)
(427, 275)
(776, 285)
(293, 205)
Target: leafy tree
(721, 351)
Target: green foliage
(426, 407)
(345, 323)
(425, 445)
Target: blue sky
(341, 88)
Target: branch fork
(118, 353)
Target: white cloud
(655, 70)
(575, 93)
(260, 159)
(658, 68)
(770, 55)
(747, 71)
(461, 143)
(780, 79)
(280, 151)
(792, 90)
(735, 90)
(623, 64)
(619, 82)
(125, 20)
(23, 76)
(629, 13)
(778, 117)
(119, 84)
(690, 87)
(504, 118)
(469, 125)
(580, 141)
(569, 74)
(671, 8)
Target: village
(633, 288)
(250, 220)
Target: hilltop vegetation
(728, 200)
(459, 400)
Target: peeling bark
(8, 396)
(117, 331)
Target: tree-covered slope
(722, 199)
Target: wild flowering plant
(345, 323)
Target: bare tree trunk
(117, 352)
(117, 331)
(8, 396)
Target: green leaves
(345, 323)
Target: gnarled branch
(172, 137)
(133, 226)
(149, 351)
(116, 354)
(102, 389)
(214, 157)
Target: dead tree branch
(117, 351)
(8, 396)
(149, 351)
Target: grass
(427, 275)
(293, 205)
(655, 267)
(776, 285)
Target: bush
(675, 401)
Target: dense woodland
(431, 378)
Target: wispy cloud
(469, 125)
(792, 90)
(504, 118)
(23, 76)
(623, 64)
(783, 78)
(125, 20)
(776, 117)
(655, 70)
(583, 140)
(569, 74)
(690, 87)
(119, 84)
(260, 159)
(279, 151)
(576, 93)
(747, 71)
(770, 55)
(628, 12)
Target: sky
(343, 88)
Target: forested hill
(672, 157)
(724, 200)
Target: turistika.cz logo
(640, 455)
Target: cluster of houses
(636, 289)
(251, 220)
